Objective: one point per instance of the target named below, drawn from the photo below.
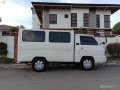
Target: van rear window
(33, 36)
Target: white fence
(108, 39)
(9, 40)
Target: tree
(3, 49)
(116, 28)
(21, 26)
(0, 19)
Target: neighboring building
(8, 34)
(6, 30)
(73, 15)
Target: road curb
(14, 66)
(113, 63)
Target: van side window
(62, 37)
(88, 40)
(33, 36)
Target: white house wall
(102, 13)
(79, 12)
(35, 21)
(66, 22)
(9, 40)
(61, 21)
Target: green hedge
(3, 49)
(113, 49)
(7, 61)
(3, 54)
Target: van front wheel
(38, 65)
(87, 63)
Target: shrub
(113, 49)
(7, 61)
(3, 49)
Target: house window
(53, 19)
(86, 19)
(33, 36)
(107, 21)
(73, 19)
(59, 37)
(66, 16)
(97, 21)
(6, 33)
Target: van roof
(85, 34)
(45, 29)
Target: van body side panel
(95, 51)
(53, 52)
(71, 51)
(60, 52)
(77, 49)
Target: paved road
(61, 78)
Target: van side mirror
(103, 43)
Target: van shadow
(64, 68)
(71, 68)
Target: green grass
(4, 60)
(113, 58)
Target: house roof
(39, 6)
(51, 5)
(6, 27)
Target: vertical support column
(92, 18)
(15, 45)
(46, 18)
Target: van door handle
(77, 43)
(82, 48)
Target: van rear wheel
(87, 63)
(38, 65)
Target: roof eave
(51, 5)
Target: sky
(18, 12)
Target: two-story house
(94, 17)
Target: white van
(41, 47)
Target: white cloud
(12, 13)
(115, 18)
(91, 1)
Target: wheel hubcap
(39, 65)
(87, 64)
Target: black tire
(38, 65)
(87, 63)
(77, 65)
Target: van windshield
(88, 40)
